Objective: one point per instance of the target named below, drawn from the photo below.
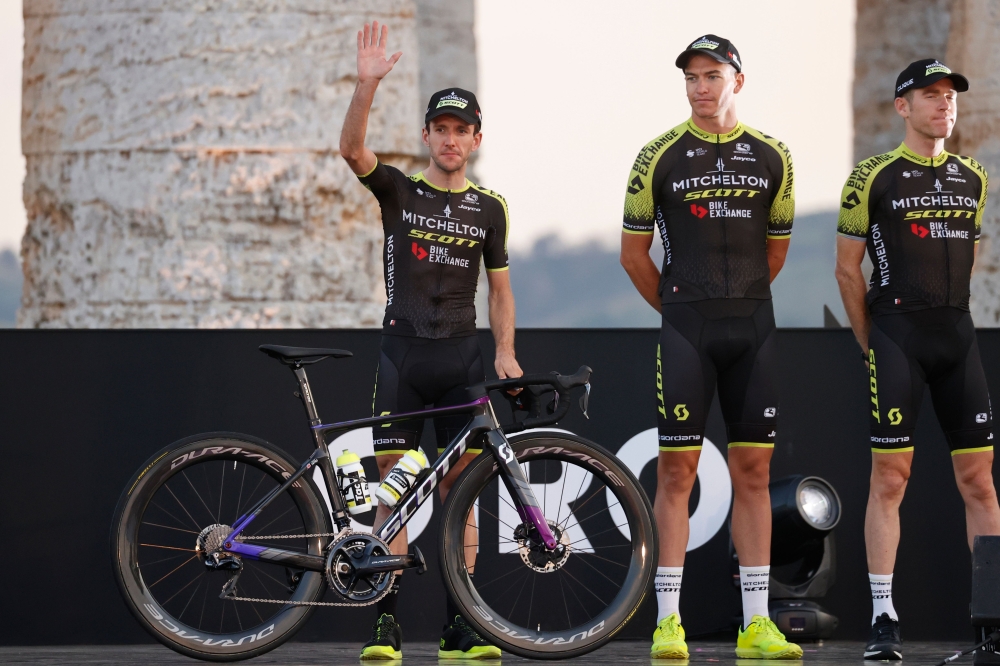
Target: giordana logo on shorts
(705, 43)
(981, 417)
(889, 440)
(452, 99)
(680, 438)
(936, 68)
(770, 411)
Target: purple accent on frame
(423, 413)
(538, 520)
(245, 549)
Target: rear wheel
(176, 511)
(549, 604)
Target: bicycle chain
(353, 604)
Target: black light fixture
(804, 511)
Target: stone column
(182, 165)
(974, 51)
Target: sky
(571, 90)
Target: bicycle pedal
(418, 558)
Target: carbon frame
(483, 424)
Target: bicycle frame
(483, 426)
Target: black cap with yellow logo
(456, 102)
(717, 47)
(923, 73)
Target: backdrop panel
(81, 410)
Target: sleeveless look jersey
(434, 239)
(716, 198)
(921, 218)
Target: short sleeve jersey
(920, 218)
(716, 199)
(434, 239)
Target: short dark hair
(908, 95)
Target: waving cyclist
(437, 225)
(918, 212)
(721, 194)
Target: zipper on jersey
(947, 246)
(722, 219)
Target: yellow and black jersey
(716, 198)
(921, 218)
(434, 239)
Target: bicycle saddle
(302, 355)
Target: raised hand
(372, 63)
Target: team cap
(923, 73)
(456, 102)
(719, 48)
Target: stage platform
(335, 654)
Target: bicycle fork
(518, 487)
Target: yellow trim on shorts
(638, 233)
(497, 270)
(680, 448)
(476, 451)
(389, 453)
(978, 449)
(906, 449)
(752, 445)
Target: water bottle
(353, 484)
(401, 477)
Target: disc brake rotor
(534, 553)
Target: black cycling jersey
(920, 217)
(716, 199)
(433, 241)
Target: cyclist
(721, 194)
(437, 226)
(918, 210)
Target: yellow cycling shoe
(762, 640)
(668, 639)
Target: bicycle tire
(532, 641)
(215, 448)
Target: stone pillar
(973, 50)
(889, 35)
(182, 164)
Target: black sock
(387, 604)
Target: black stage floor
(334, 654)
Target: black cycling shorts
(414, 373)
(729, 342)
(937, 347)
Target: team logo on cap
(705, 43)
(936, 68)
(452, 100)
(735, 58)
(904, 85)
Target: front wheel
(524, 598)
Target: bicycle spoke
(603, 575)
(610, 529)
(179, 521)
(253, 605)
(169, 490)
(165, 559)
(211, 515)
(201, 580)
(162, 578)
(171, 598)
(562, 591)
(566, 571)
(561, 492)
(592, 496)
(153, 545)
(222, 487)
(167, 527)
(489, 513)
(617, 564)
(239, 500)
(281, 515)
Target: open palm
(372, 63)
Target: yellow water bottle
(401, 477)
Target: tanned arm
(851, 280)
(502, 316)
(372, 66)
(640, 267)
(777, 250)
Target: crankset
(359, 567)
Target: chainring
(341, 565)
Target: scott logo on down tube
(506, 453)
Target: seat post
(306, 395)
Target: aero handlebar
(562, 384)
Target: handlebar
(533, 385)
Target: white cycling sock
(753, 585)
(668, 591)
(882, 596)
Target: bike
(223, 545)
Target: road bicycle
(223, 545)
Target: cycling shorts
(936, 347)
(414, 373)
(729, 342)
